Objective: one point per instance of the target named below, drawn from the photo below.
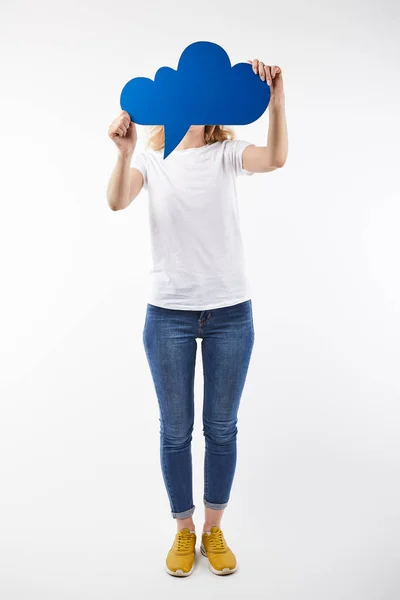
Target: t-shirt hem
(208, 306)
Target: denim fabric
(227, 339)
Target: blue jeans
(169, 338)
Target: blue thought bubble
(204, 90)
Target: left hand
(272, 75)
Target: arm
(262, 159)
(125, 183)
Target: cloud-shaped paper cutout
(204, 90)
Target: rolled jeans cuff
(185, 514)
(215, 506)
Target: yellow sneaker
(221, 559)
(180, 559)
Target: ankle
(208, 526)
(185, 524)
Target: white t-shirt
(197, 250)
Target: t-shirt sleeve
(235, 151)
(139, 162)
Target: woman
(199, 290)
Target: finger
(273, 71)
(255, 65)
(268, 74)
(277, 70)
(131, 131)
(122, 130)
(119, 131)
(261, 70)
(123, 118)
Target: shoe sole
(179, 572)
(225, 571)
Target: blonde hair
(212, 133)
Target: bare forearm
(118, 185)
(277, 142)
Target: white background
(315, 505)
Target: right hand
(123, 133)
